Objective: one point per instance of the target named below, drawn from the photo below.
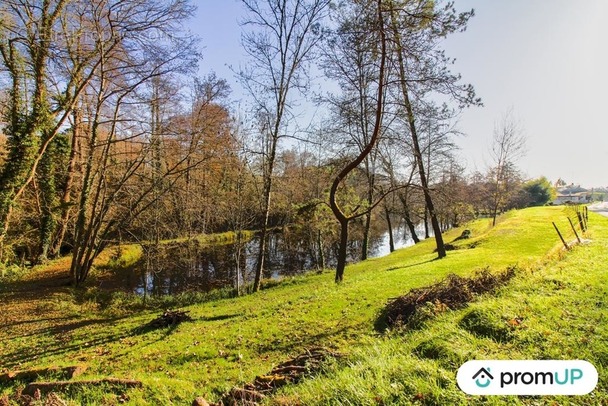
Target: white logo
(527, 377)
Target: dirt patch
(453, 292)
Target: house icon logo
(483, 378)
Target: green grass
(233, 340)
(562, 302)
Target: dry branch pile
(287, 372)
(169, 318)
(453, 292)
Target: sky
(547, 60)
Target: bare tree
(350, 59)
(371, 21)
(421, 69)
(508, 145)
(141, 41)
(280, 43)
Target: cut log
(45, 387)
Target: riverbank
(233, 340)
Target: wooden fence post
(574, 229)
(581, 222)
(560, 237)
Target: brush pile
(453, 292)
(290, 371)
(170, 318)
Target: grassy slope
(562, 302)
(233, 340)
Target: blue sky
(546, 59)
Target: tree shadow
(290, 346)
(220, 317)
(61, 333)
(395, 268)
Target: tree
(454, 196)
(421, 69)
(508, 145)
(280, 44)
(368, 20)
(39, 102)
(540, 191)
(350, 59)
(122, 143)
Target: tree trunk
(391, 240)
(48, 193)
(321, 255)
(408, 218)
(338, 213)
(342, 250)
(259, 267)
(427, 234)
(410, 225)
(366, 231)
(67, 187)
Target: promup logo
(483, 378)
(527, 377)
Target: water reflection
(190, 266)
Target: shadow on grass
(395, 268)
(32, 321)
(62, 337)
(291, 345)
(220, 317)
(66, 328)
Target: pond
(193, 267)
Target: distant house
(567, 197)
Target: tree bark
(259, 267)
(321, 253)
(391, 240)
(366, 231)
(408, 221)
(69, 182)
(342, 250)
(48, 193)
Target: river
(194, 267)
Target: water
(191, 267)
